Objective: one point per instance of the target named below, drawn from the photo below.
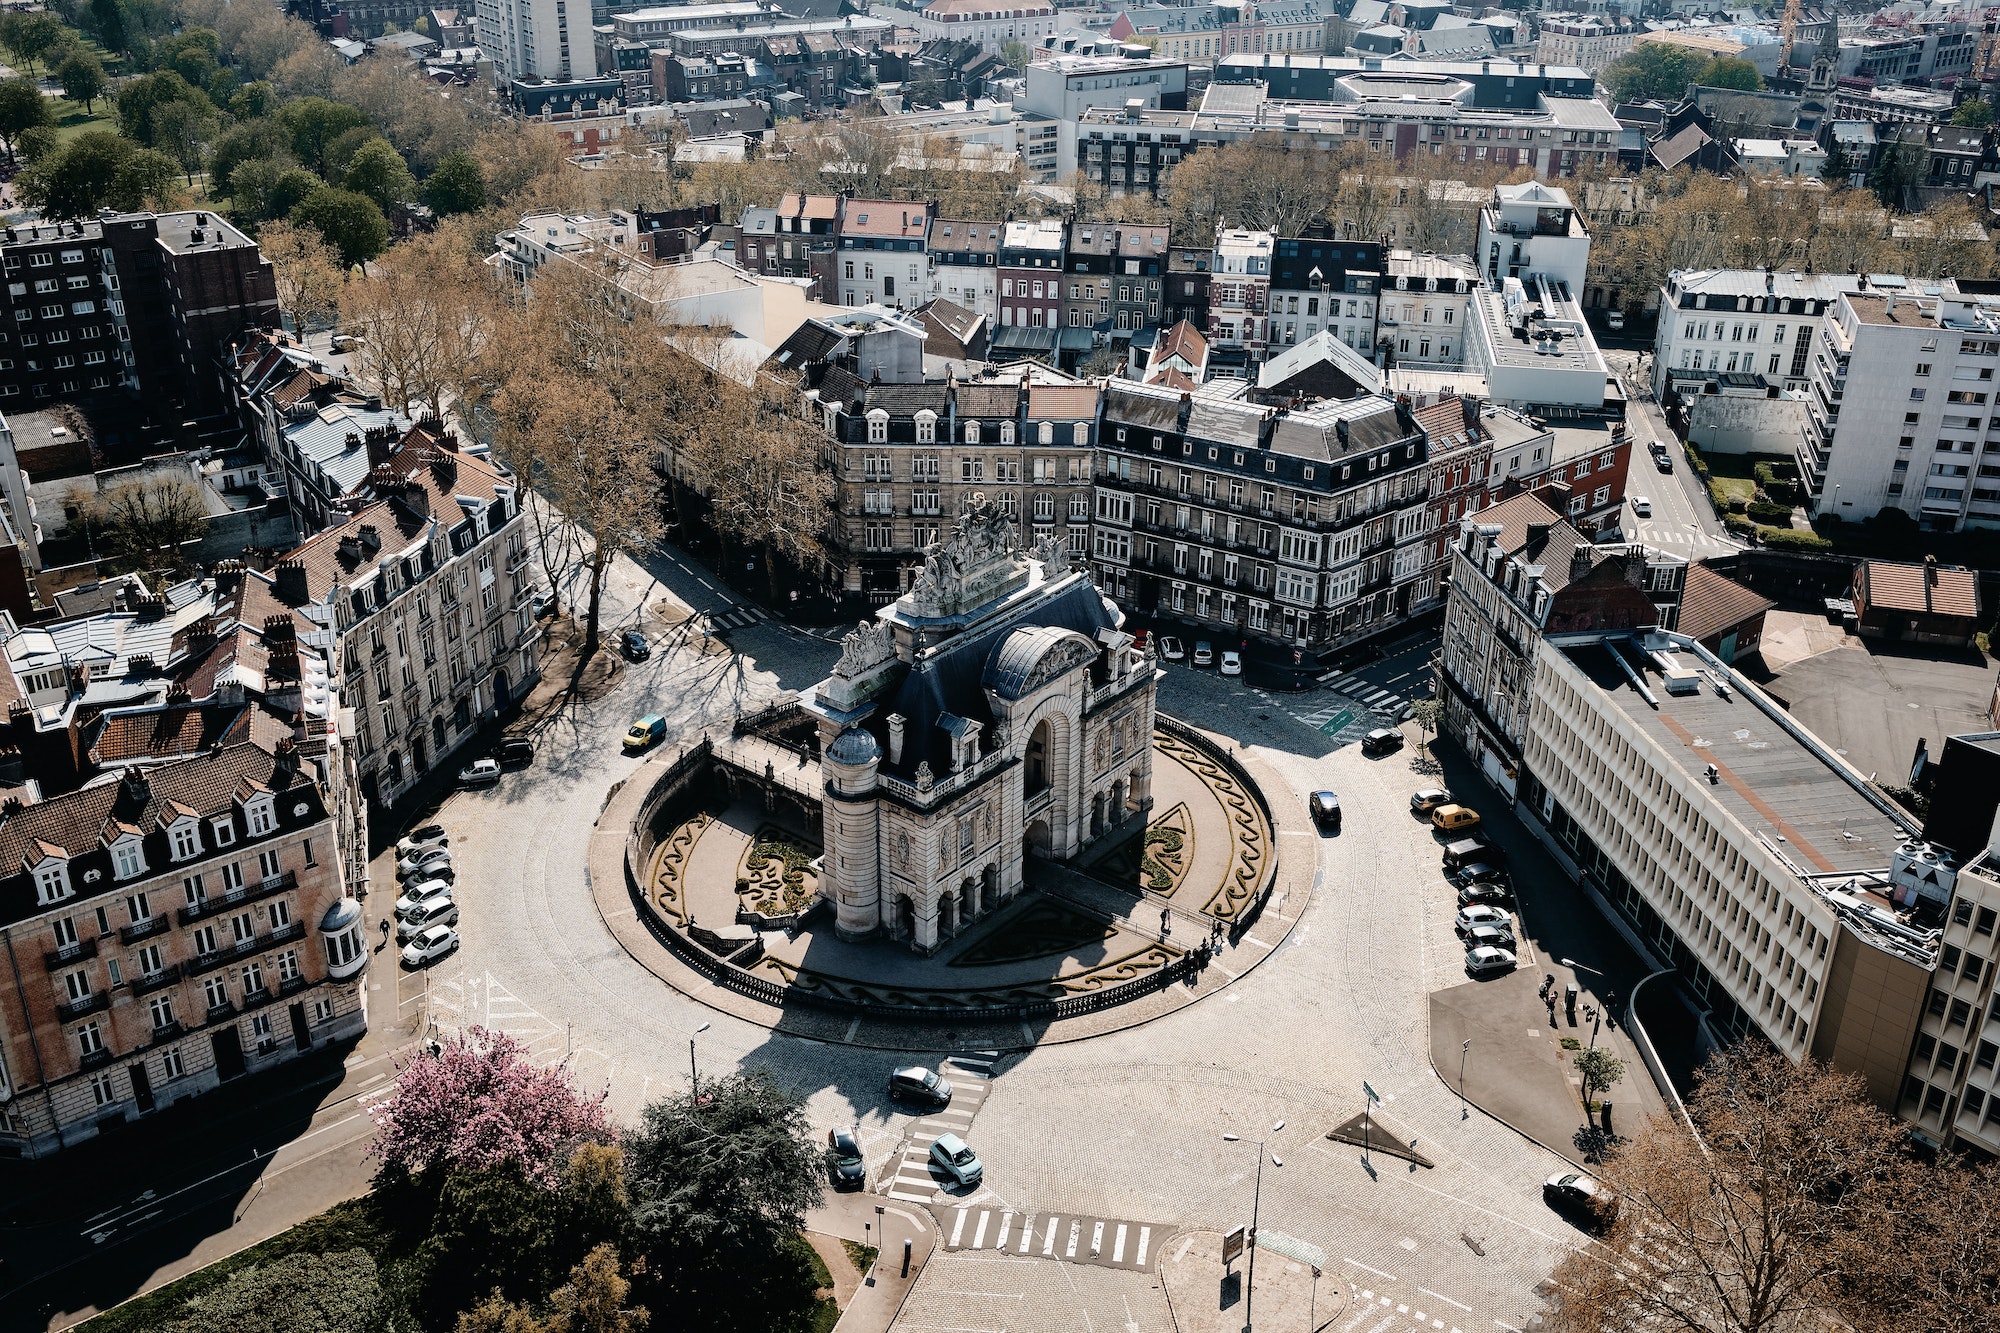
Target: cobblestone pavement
(1127, 1126)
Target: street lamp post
(694, 1077)
(1256, 1207)
(1463, 1047)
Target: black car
(1492, 894)
(1383, 740)
(633, 644)
(515, 752)
(1478, 872)
(918, 1084)
(844, 1164)
(1325, 808)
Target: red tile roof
(1711, 604)
(1893, 586)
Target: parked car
(1479, 872)
(1204, 653)
(958, 1161)
(433, 944)
(438, 911)
(1499, 895)
(419, 895)
(542, 604)
(918, 1084)
(1480, 915)
(645, 732)
(428, 838)
(845, 1166)
(1489, 937)
(1615, 321)
(1232, 663)
(1481, 961)
(515, 752)
(424, 865)
(1172, 649)
(1584, 1198)
(1382, 740)
(479, 773)
(1642, 506)
(1429, 799)
(1453, 818)
(633, 644)
(1325, 809)
(1469, 851)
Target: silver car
(1481, 914)
(1489, 937)
(949, 1152)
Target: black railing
(208, 962)
(95, 1002)
(153, 981)
(70, 953)
(141, 930)
(249, 893)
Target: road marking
(1027, 1234)
(979, 1234)
(1446, 1299)
(1075, 1234)
(1118, 1245)
(1181, 1253)
(1145, 1239)
(1376, 1271)
(958, 1228)
(1049, 1243)
(1006, 1222)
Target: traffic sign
(1373, 1095)
(1232, 1244)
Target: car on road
(1664, 461)
(1429, 799)
(1232, 663)
(438, 911)
(1642, 506)
(479, 773)
(1481, 961)
(428, 838)
(430, 946)
(1584, 1198)
(845, 1166)
(1382, 740)
(1454, 818)
(1172, 649)
(424, 865)
(645, 732)
(1325, 809)
(1615, 321)
(1497, 894)
(1480, 915)
(515, 752)
(1204, 653)
(419, 895)
(915, 1083)
(633, 644)
(1489, 937)
(958, 1161)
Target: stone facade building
(995, 714)
(161, 939)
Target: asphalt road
(1682, 523)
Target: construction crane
(1788, 31)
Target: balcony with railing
(152, 981)
(142, 930)
(208, 962)
(71, 1010)
(70, 953)
(249, 893)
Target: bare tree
(150, 519)
(766, 480)
(422, 311)
(308, 273)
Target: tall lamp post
(1256, 1206)
(694, 1078)
(1463, 1047)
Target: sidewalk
(868, 1218)
(1206, 1298)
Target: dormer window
(259, 816)
(224, 830)
(1046, 432)
(128, 858)
(878, 427)
(1006, 432)
(52, 881)
(185, 838)
(972, 432)
(926, 427)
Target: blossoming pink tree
(480, 1102)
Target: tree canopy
(1663, 71)
(350, 222)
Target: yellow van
(1454, 818)
(647, 731)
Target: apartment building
(1203, 35)
(1900, 391)
(882, 253)
(1060, 89)
(855, 31)
(1756, 321)
(991, 25)
(1239, 295)
(1588, 42)
(1425, 300)
(1114, 275)
(531, 40)
(132, 308)
(1461, 453)
(170, 930)
(1187, 286)
(1588, 455)
(1030, 273)
(910, 454)
(965, 265)
(1319, 284)
(426, 592)
(1303, 528)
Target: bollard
(1604, 1115)
(906, 1256)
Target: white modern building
(1754, 321)
(1061, 88)
(534, 39)
(990, 23)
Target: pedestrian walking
(1166, 923)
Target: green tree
(254, 101)
(1976, 113)
(77, 178)
(1425, 713)
(1897, 170)
(1600, 1069)
(32, 36)
(289, 190)
(594, 1300)
(1651, 71)
(1729, 72)
(350, 222)
(22, 108)
(247, 141)
(252, 184)
(457, 186)
(300, 1293)
(107, 20)
(183, 132)
(314, 123)
(1839, 164)
(140, 98)
(1016, 54)
(341, 150)
(379, 172)
(82, 77)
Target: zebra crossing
(736, 617)
(1072, 1238)
(971, 1079)
(1364, 692)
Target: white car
(1480, 961)
(433, 944)
(1232, 663)
(950, 1153)
(437, 912)
(1481, 914)
(1615, 321)
(480, 773)
(1172, 649)
(424, 865)
(1642, 506)
(418, 895)
(429, 838)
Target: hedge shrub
(1738, 524)
(1778, 514)
(1792, 539)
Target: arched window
(972, 432)
(926, 427)
(1006, 432)
(878, 427)
(1046, 432)
(1080, 433)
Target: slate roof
(1711, 603)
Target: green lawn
(72, 119)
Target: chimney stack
(289, 582)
